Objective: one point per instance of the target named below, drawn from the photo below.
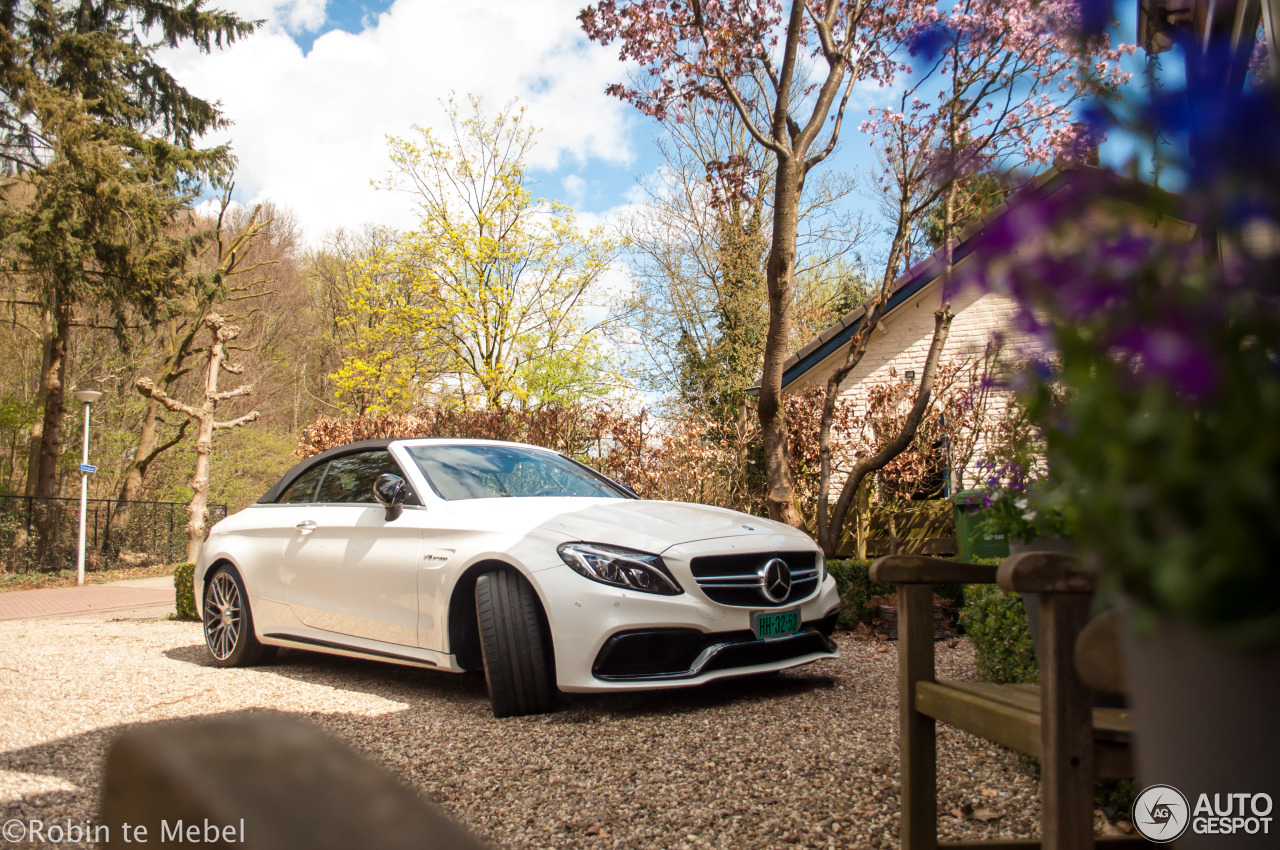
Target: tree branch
(148, 388)
(164, 447)
(238, 392)
(835, 525)
(236, 423)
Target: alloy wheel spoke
(222, 616)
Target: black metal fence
(43, 534)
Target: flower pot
(1205, 720)
(1031, 601)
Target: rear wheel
(228, 623)
(517, 654)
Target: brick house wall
(901, 342)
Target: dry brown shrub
(692, 458)
(660, 458)
(946, 438)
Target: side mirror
(391, 491)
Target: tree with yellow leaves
(496, 297)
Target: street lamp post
(88, 397)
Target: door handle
(306, 526)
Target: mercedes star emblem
(775, 580)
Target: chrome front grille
(739, 579)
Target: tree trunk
(779, 279)
(37, 427)
(743, 453)
(53, 387)
(197, 509)
(862, 521)
(45, 451)
(134, 477)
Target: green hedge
(996, 623)
(184, 593)
(856, 589)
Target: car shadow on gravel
(585, 708)
(385, 680)
(398, 682)
(401, 682)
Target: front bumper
(653, 655)
(610, 639)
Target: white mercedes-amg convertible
(461, 554)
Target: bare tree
(698, 246)
(177, 340)
(197, 510)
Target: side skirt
(301, 642)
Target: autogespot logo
(1160, 813)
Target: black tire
(517, 655)
(228, 623)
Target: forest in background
(498, 309)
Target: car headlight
(822, 569)
(620, 567)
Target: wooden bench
(1054, 721)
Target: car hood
(649, 526)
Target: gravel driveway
(807, 758)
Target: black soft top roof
(329, 454)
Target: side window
(350, 479)
(303, 488)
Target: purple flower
(1095, 15)
(930, 41)
(1173, 352)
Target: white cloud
(296, 16)
(575, 189)
(310, 130)
(210, 207)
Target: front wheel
(228, 624)
(517, 654)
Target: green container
(970, 543)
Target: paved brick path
(61, 601)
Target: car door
(274, 533)
(353, 572)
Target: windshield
(486, 472)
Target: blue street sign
(88, 467)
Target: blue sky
(315, 93)
(352, 17)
